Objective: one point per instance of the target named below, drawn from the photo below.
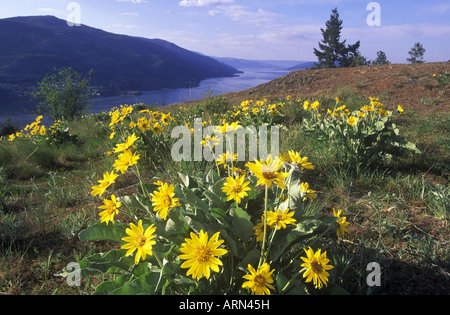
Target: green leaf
(295, 287)
(242, 226)
(194, 201)
(102, 232)
(145, 284)
(106, 288)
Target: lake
(250, 78)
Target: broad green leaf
(145, 284)
(102, 232)
(242, 226)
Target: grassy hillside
(395, 199)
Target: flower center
(166, 201)
(269, 175)
(316, 267)
(203, 253)
(140, 241)
(259, 280)
(237, 189)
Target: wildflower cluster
(36, 130)
(239, 227)
(362, 137)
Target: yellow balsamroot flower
(143, 124)
(259, 281)
(298, 160)
(210, 142)
(226, 127)
(125, 160)
(163, 200)
(236, 188)
(111, 208)
(125, 146)
(259, 229)
(400, 109)
(139, 240)
(156, 115)
(305, 105)
(201, 254)
(108, 180)
(342, 224)
(280, 218)
(383, 112)
(42, 131)
(165, 119)
(268, 173)
(352, 121)
(226, 157)
(316, 265)
(367, 108)
(306, 192)
(157, 128)
(314, 105)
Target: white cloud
(203, 3)
(134, 1)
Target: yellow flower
(201, 254)
(210, 141)
(302, 162)
(367, 108)
(139, 240)
(111, 208)
(316, 265)
(280, 218)
(267, 172)
(400, 109)
(236, 188)
(226, 127)
(305, 105)
(226, 157)
(338, 100)
(341, 108)
(125, 160)
(352, 121)
(314, 105)
(165, 119)
(157, 128)
(125, 146)
(306, 192)
(163, 200)
(108, 180)
(143, 124)
(342, 224)
(259, 229)
(42, 131)
(111, 136)
(259, 281)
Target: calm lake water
(217, 86)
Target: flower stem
(265, 228)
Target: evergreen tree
(332, 51)
(381, 59)
(416, 54)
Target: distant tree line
(334, 53)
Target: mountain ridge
(33, 46)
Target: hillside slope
(32, 46)
(412, 86)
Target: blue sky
(264, 29)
